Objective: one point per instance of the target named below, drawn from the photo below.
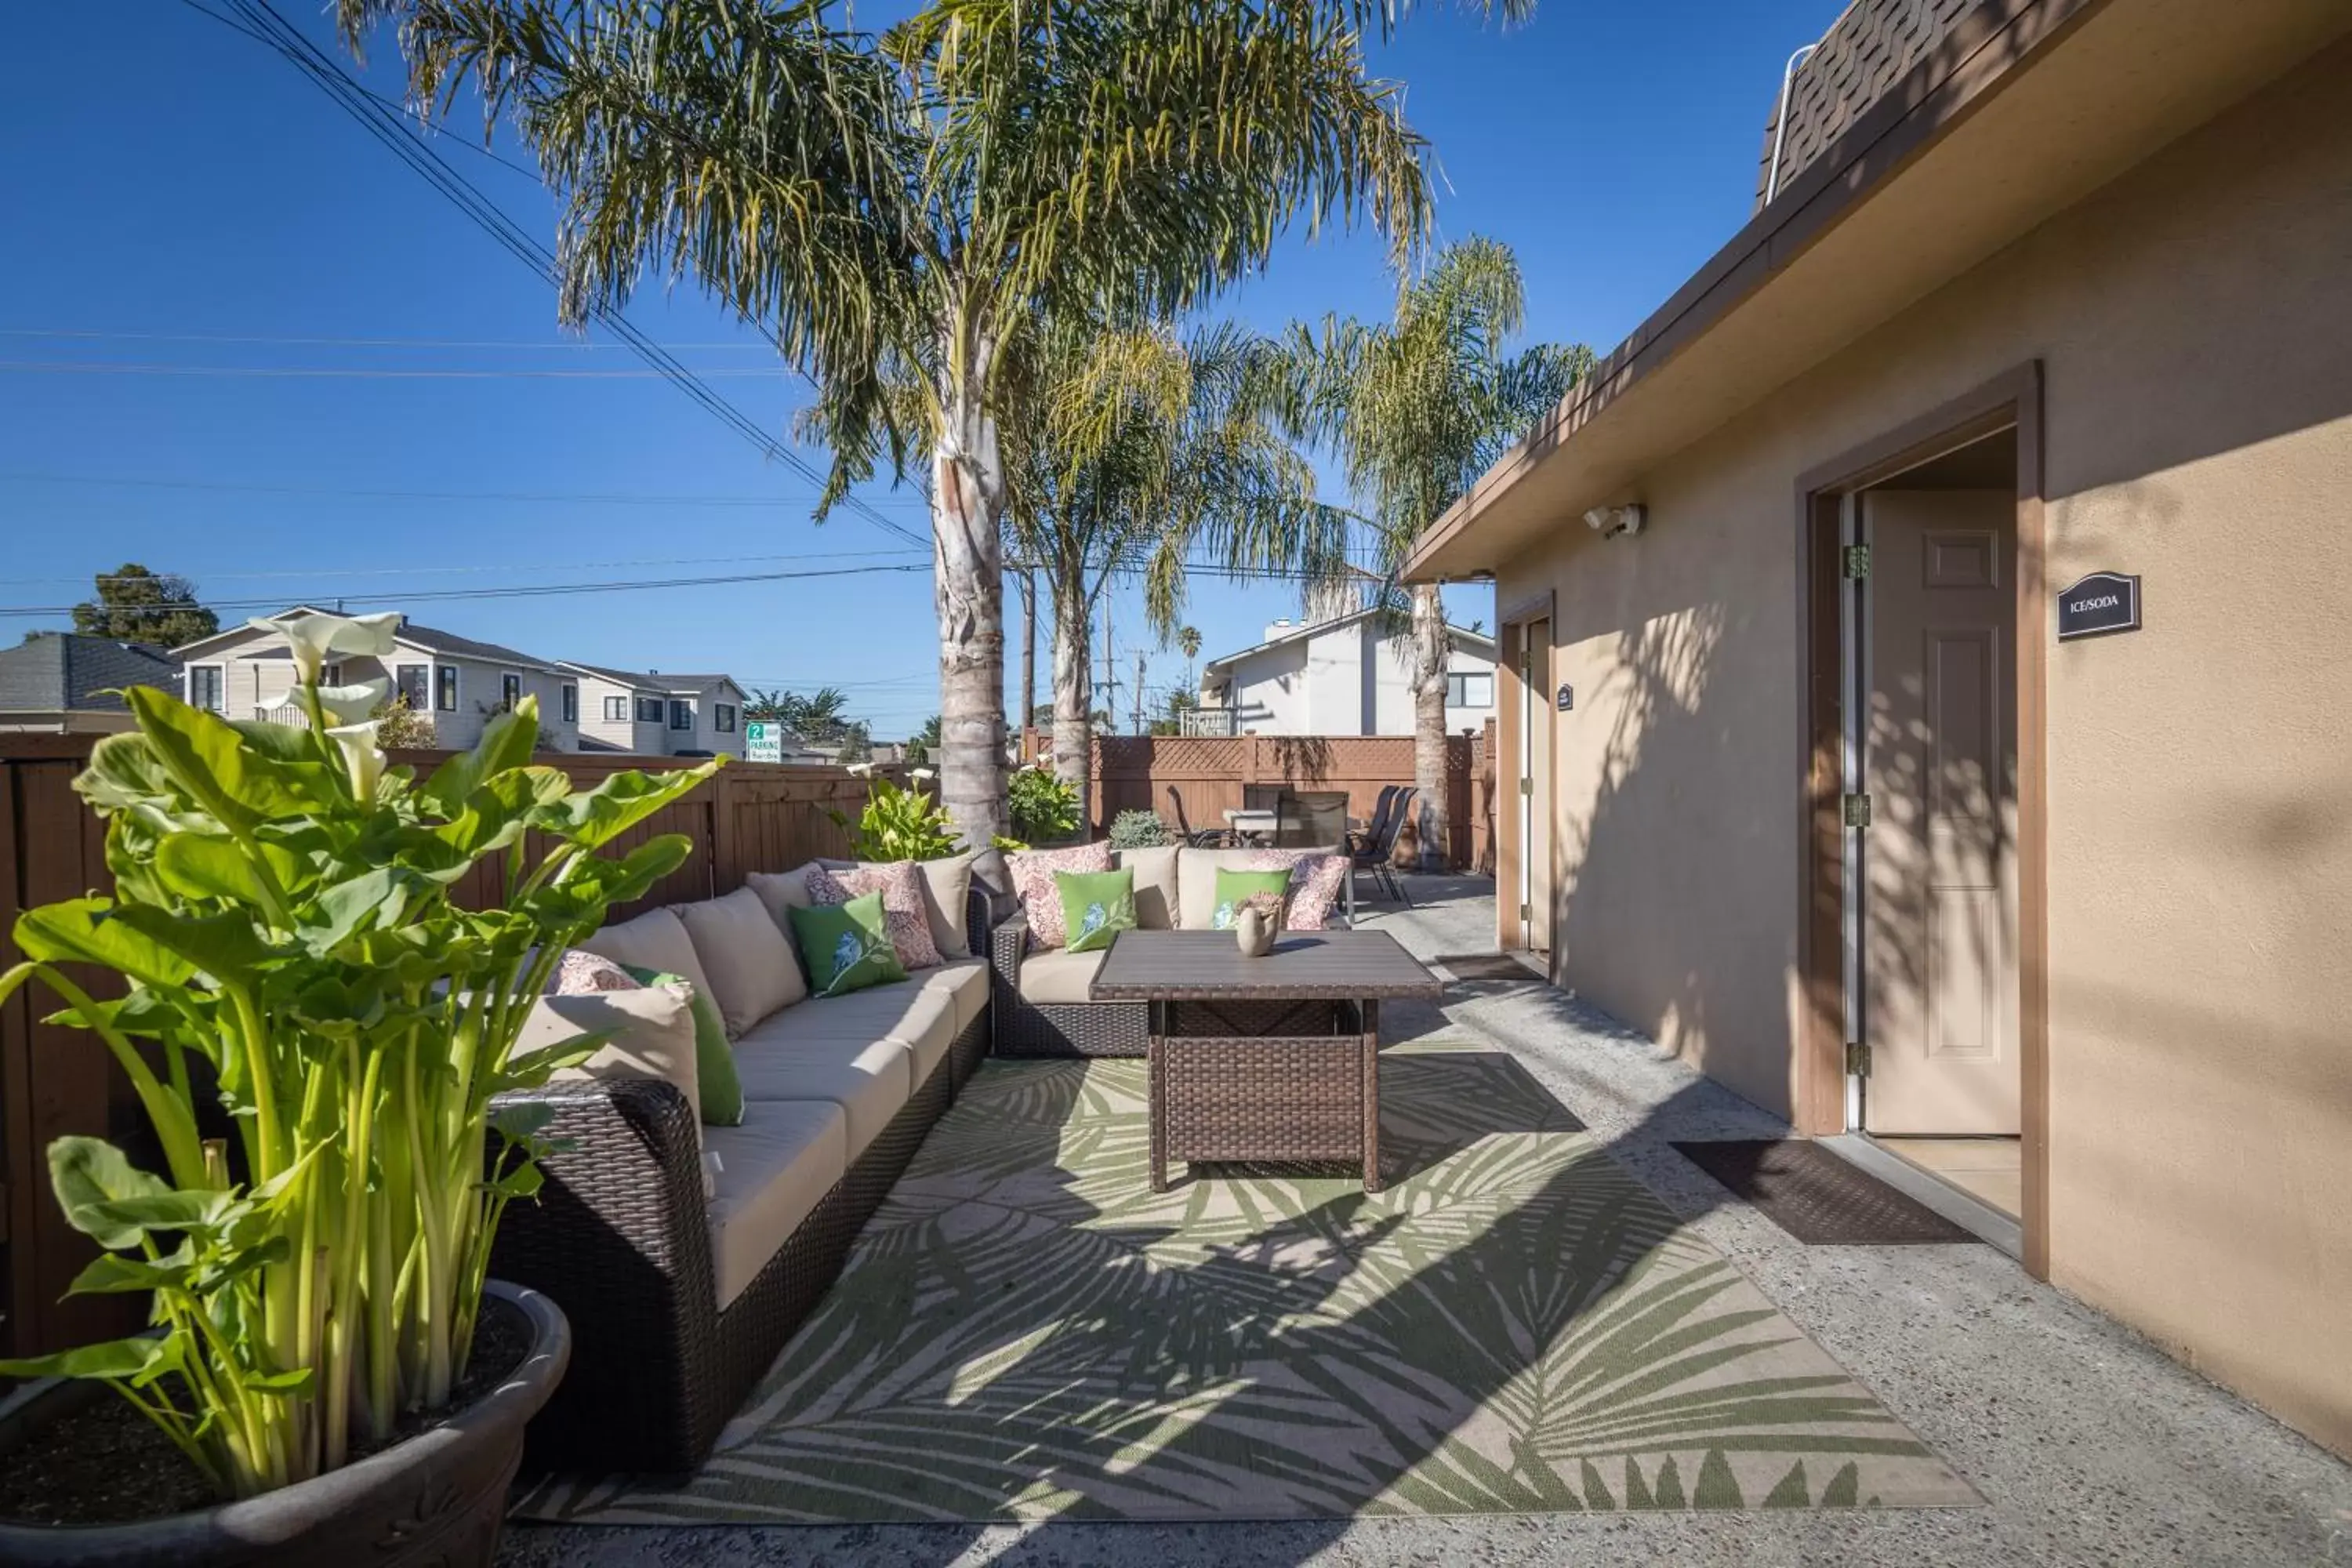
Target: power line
(590, 498)
(531, 591)
(348, 372)
(392, 128)
(533, 345)
(313, 573)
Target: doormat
(1026, 1332)
(1819, 1198)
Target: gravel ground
(2088, 1444)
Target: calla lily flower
(861, 769)
(349, 704)
(922, 772)
(313, 638)
(362, 756)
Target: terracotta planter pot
(439, 1498)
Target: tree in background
(896, 209)
(1416, 409)
(924, 741)
(1131, 450)
(1188, 643)
(134, 604)
(1180, 702)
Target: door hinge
(1857, 1058)
(1856, 564)
(1857, 810)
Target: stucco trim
(2012, 400)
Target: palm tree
(1188, 642)
(898, 209)
(1136, 451)
(1417, 408)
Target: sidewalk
(2088, 1444)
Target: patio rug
(1819, 1198)
(1026, 1332)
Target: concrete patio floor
(2088, 1444)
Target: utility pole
(1028, 656)
(1110, 667)
(1138, 708)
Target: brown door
(1535, 784)
(1939, 763)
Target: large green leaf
(499, 809)
(198, 867)
(119, 1359)
(227, 945)
(206, 756)
(87, 1174)
(597, 816)
(110, 1273)
(507, 743)
(89, 931)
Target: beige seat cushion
(655, 939)
(870, 1079)
(655, 1038)
(966, 981)
(752, 970)
(766, 1176)
(1196, 882)
(1059, 975)
(908, 1011)
(1155, 884)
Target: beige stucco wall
(2193, 319)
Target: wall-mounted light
(1617, 521)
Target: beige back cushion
(1155, 884)
(946, 883)
(655, 1038)
(1196, 882)
(750, 963)
(655, 939)
(781, 891)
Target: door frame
(2012, 399)
(1513, 702)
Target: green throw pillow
(1236, 888)
(846, 946)
(1096, 907)
(720, 1090)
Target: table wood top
(1208, 965)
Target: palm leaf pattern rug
(1026, 1332)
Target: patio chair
(1311, 819)
(1383, 806)
(1372, 851)
(1198, 837)
(1262, 797)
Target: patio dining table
(1261, 824)
(1271, 1059)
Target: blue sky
(193, 189)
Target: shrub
(282, 922)
(898, 824)
(1043, 808)
(1138, 829)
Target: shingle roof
(648, 679)
(434, 640)
(69, 670)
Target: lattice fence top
(1865, 52)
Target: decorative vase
(1255, 933)
(435, 1499)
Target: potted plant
(1045, 808)
(896, 823)
(315, 1032)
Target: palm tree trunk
(1430, 649)
(968, 589)
(1073, 694)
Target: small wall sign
(1567, 697)
(2101, 602)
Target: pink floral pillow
(1316, 884)
(579, 973)
(903, 912)
(1032, 877)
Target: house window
(571, 705)
(510, 690)
(204, 686)
(649, 710)
(722, 716)
(410, 680)
(331, 675)
(616, 710)
(444, 688)
(681, 715)
(1470, 691)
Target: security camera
(1616, 521)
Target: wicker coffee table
(1271, 1059)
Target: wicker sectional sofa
(1040, 998)
(686, 1255)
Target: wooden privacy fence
(752, 816)
(1134, 772)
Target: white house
(457, 683)
(651, 713)
(1338, 676)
